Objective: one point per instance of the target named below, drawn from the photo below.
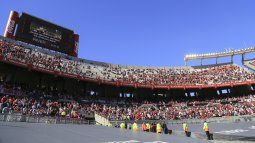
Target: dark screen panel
(44, 34)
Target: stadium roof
(219, 54)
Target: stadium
(49, 94)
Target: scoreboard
(42, 33)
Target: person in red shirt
(75, 115)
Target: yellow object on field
(135, 127)
(185, 127)
(122, 126)
(148, 126)
(206, 127)
(159, 128)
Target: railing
(226, 119)
(43, 119)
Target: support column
(201, 62)
(243, 57)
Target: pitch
(59, 133)
(242, 131)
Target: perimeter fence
(43, 119)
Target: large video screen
(41, 33)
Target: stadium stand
(30, 101)
(44, 86)
(51, 62)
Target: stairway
(100, 120)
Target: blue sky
(146, 32)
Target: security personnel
(144, 127)
(135, 126)
(122, 126)
(125, 125)
(206, 129)
(158, 128)
(165, 129)
(129, 126)
(148, 126)
(185, 128)
(153, 127)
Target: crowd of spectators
(235, 106)
(16, 99)
(176, 76)
(38, 102)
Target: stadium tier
(40, 102)
(51, 62)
